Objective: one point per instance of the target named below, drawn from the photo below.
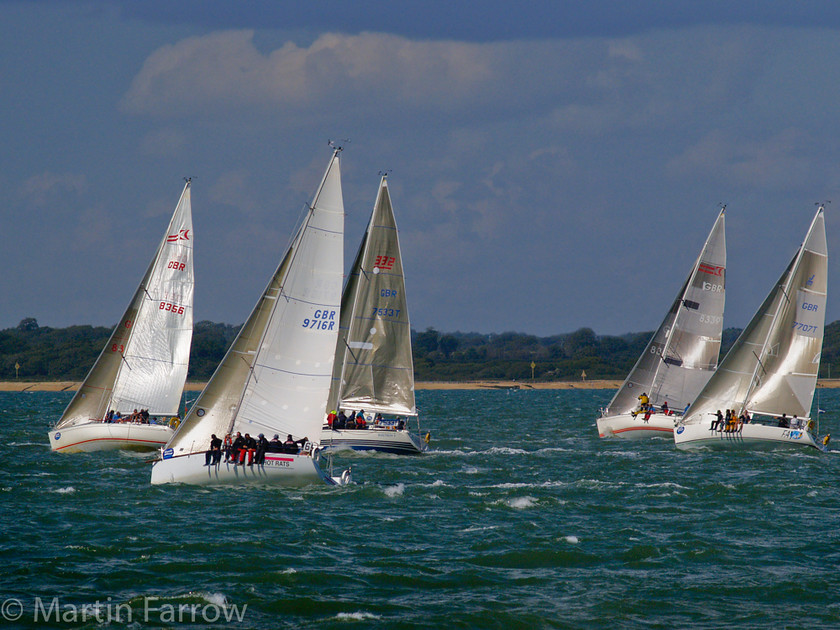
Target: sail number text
(714, 288)
(806, 328)
(385, 262)
(173, 308)
(323, 320)
(710, 319)
(386, 312)
(177, 266)
(807, 306)
(389, 293)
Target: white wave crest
(395, 491)
(521, 503)
(356, 616)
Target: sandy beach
(63, 386)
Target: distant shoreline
(72, 386)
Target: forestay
(275, 377)
(683, 352)
(772, 367)
(144, 365)
(374, 369)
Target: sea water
(519, 516)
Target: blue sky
(553, 165)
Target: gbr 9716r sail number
(323, 320)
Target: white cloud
(48, 188)
(776, 162)
(225, 69)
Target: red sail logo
(712, 270)
(182, 235)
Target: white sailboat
(374, 370)
(680, 357)
(275, 378)
(771, 371)
(143, 366)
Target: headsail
(683, 353)
(144, 364)
(772, 367)
(275, 377)
(374, 368)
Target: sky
(553, 165)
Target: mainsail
(144, 364)
(683, 353)
(772, 367)
(373, 368)
(275, 377)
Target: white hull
(699, 435)
(373, 439)
(627, 427)
(279, 469)
(104, 436)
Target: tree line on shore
(40, 353)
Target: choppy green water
(520, 516)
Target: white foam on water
(288, 571)
(521, 503)
(356, 616)
(476, 528)
(67, 490)
(571, 539)
(395, 491)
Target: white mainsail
(772, 367)
(275, 377)
(144, 364)
(373, 368)
(683, 353)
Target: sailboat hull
(104, 436)
(700, 434)
(383, 440)
(279, 469)
(626, 427)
